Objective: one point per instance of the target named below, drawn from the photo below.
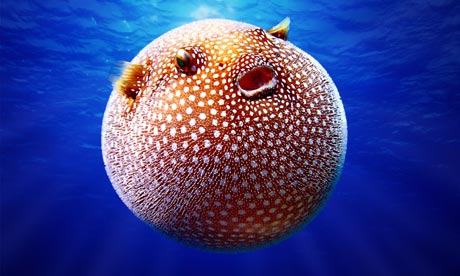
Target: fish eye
(185, 61)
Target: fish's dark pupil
(180, 62)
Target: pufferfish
(223, 135)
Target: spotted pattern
(198, 160)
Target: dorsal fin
(281, 29)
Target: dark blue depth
(395, 210)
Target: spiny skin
(199, 161)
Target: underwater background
(394, 211)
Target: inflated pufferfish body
(223, 135)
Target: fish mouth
(257, 82)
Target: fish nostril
(257, 82)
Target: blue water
(395, 210)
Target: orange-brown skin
(203, 154)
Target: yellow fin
(281, 29)
(131, 80)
